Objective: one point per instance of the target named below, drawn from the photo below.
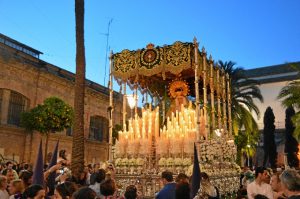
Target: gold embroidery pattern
(124, 61)
(150, 57)
(178, 55)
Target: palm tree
(243, 93)
(78, 136)
(290, 96)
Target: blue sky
(253, 33)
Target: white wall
(270, 92)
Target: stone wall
(38, 80)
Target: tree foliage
(243, 93)
(290, 97)
(270, 151)
(291, 144)
(246, 144)
(53, 115)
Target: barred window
(69, 131)
(98, 128)
(16, 106)
(1, 94)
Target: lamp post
(131, 102)
(248, 155)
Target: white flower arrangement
(118, 162)
(162, 162)
(178, 161)
(125, 162)
(216, 150)
(170, 162)
(139, 162)
(187, 162)
(132, 162)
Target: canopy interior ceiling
(154, 68)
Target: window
(16, 106)
(1, 94)
(69, 131)
(98, 128)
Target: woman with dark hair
(182, 190)
(207, 190)
(64, 190)
(84, 193)
(26, 177)
(35, 191)
(108, 188)
(131, 192)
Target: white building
(272, 79)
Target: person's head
(98, 176)
(108, 187)
(204, 176)
(259, 196)
(9, 165)
(249, 175)
(26, 177)
(90, 167)
(290, 181)
(245, 169)
(3, 182)
(16, 186)
(182, 178)
(275, 182)
(182, 190)
(62, 154)
(261, 173)
(1, 167)
(34, 191)
(84, 193)
(10, 175)
(131, 192)
(268, 175)
(64, 190)
(110, 168)
(26, 166)
(166, 176)
(96, 166)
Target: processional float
(190, 103)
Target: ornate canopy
(153, 68)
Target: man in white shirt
(258, 186)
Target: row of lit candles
(179, 125)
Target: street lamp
(248, 155)
(131, 102)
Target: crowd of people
(98, 181)
(263, 183)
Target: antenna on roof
(107, 49)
